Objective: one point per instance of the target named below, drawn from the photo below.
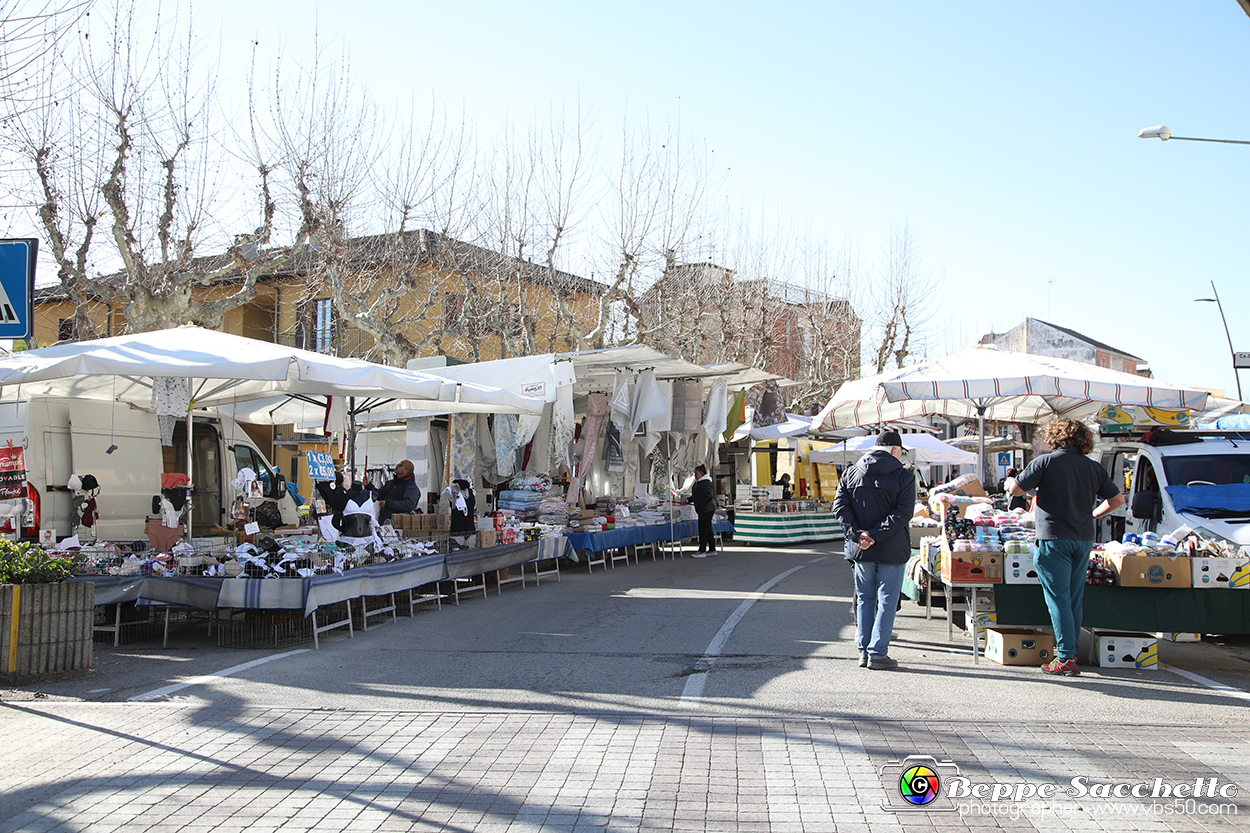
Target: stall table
(786, 527)
(1143, 609)
(608, 540)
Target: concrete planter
(45, 631)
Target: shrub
(26, 563)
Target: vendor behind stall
(400, 496)
(784, 483)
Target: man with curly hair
(1067, 482)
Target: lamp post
(1162, 133)
(1220, 307)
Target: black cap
(888, 438)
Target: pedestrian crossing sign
(17, 286)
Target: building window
(321, 325)
(65, 329)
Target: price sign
(320, 465)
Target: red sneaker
(1066, 667)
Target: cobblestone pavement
(184, 767)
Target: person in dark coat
(784, 483)
(400, 496)
(875, 501)
(703, 498)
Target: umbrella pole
(190, 474)
(981, 445)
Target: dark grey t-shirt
(1067, 484)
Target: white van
(1145, 472)
(121, 446)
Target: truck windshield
(1215, 469)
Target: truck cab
(1199, 479)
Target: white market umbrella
(794, 425)
(921, 448)
(999, 385)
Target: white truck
(1148, 472)
(121, 446)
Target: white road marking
(1220, 687)
(208, 678)
(695, 682)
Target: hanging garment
(162, 537)
(171, 399)
(737, 414)
(613, 456)
(359, 521)
(335, 423)
(717, 414)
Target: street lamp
(1216, 301)
(1161, 132)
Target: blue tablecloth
(611, 539)
(308, 594)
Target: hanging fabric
(737, 414)
(417, 445)
(462, 451)
(648, 400)
(622, 401)
(487, 461)
(508, 438)
(596, 415)
(562, 429)
(716, 417)
(771, 407)
(539, 460)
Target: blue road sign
(17, 286)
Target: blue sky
(1003, 133)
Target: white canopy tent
(223, 371)
(987, 383)
(226, 370)
(919, 448)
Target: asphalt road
(755, 631)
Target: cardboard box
(487, 537)
(1180, 637)
(1020, 569)
(1211, 573)
(919, 533)
(1153, 571)
(972, 567)
(1019, 646)
(1128, 650)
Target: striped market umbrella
(988, 383)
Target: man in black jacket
(400, 496)
(875, 501)
(704, 500)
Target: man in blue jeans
(1067, 482)
(875, 501)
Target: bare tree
(903, 296)
(35, 34)
(128, 179)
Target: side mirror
(275, 487)
(1144, 505)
